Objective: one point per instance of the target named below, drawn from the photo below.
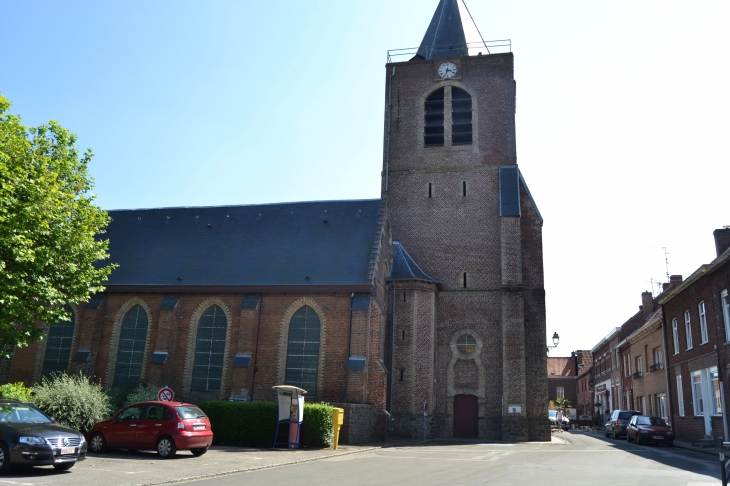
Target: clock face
(447, 70)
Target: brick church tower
(466, 310)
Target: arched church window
(433, 129)
(302, 353)
(130, 354)
(210, 346)
(58, 348)
(460, 117)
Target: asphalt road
(587, 460)
(582, 459)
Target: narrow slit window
(461, 129)
(404, 296)
(403, 334)
(463, 188)
(433, 123)
(430, 190)
(464, 279)
(401, 375)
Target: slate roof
(405, 267)
(452, 32)
(305, 243)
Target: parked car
(165, 427)
(28, 437)
(552, 414)
(643, 428)
(617, 422)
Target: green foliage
(16, 391)
(72, 400)
(48, 227)
(143, 393)
(253, 424)
(563, 403)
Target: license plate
(199, 427)
(657, 437)
(68, 450)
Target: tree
(50, 252)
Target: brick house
(696, 314)
(561, 373)
(605, 363)
(584, 389)
(427, 303)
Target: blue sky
(622, 117)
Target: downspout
(387, 139)
(349, 338)
(256, 357)
(666, 370)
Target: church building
(426, 304)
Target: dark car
(164, 427)
(616, 425)
(643, 429)
(28, 437)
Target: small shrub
(253, 424)
(143, 393)
(72, 400)
(16, 391)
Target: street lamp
(556, 339)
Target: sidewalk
(711, 451)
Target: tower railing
(490, 47)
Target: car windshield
(190, 412)
(656, 421)
(625, 415)
(24, 413)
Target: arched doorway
(466, 417)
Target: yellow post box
(338, 418)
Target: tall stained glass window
(210, 346)
(130, 354)
(302, 354)
(58, 349)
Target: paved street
(582, 459)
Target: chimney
(675, 279)
(666, 286)
(722, 240)
(647, 301)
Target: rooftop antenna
(666, 261)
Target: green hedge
(253, 424)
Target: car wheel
(638, 439)
(199, 451)
(605, 433)
(628, 438)
(64, 466)
(5, 466)
(97, 443)
(165, 447)
(670, 443)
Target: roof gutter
(252, 289)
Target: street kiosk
(291, 411)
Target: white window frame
(726, 312)
(716, 407)
(688, 329)
(680, 396)
(703, 322)
(560, 391)
(658, 356)
(639, 365)
(697, 393)
(643, 405)
(661, 405)
(675, 332)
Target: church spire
(452, 32)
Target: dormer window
(433, 129)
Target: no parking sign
(165, 394)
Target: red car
(644, 429)
(161, 426)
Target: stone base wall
(359, 422)
(538, 429)
(514, 429)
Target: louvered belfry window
(58, 349)
(302, 354)
(460, 117)
(210, 346)
(433, 130)
(132, 341)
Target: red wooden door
(466, 417)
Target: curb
(258, 468)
